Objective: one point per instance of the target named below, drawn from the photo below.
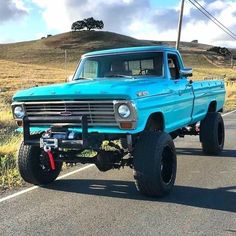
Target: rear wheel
(155, 164)
(212, 133)
(34, 165)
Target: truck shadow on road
(223, 199)
(198, 152)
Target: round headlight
(124, 111)
(19, 112)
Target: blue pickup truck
(126, 106)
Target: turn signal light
(126, 125)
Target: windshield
(121, 65)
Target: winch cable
(51, 159)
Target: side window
(90, 69)
(173, 65)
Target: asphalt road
(89, 202)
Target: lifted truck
(136, 99)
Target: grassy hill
(42, 61)
(51, 51)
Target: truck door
(182, 94)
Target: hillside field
(52, 60)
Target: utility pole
(66, 62)
(180, 25)
(232, 60)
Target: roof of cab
(129, 50)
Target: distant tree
(222, 51)
(78, 25)
(99, 24)
(89, 23)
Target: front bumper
(58, 137)
(80, 121)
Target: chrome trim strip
(72, 102)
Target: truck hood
(105, 88)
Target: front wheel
(212, 133)
(155, 164)
(34, 165)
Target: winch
(61, 137)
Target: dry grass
(51, 51)
(230, 97)
(9, 176)
(16, 76)
(9, 143)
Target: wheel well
(212, 107)
(155, 122)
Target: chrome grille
(99, 113)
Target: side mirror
(69, 78)
(186, 72)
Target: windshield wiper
(119, 75)
(83, 78)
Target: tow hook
(48, 150)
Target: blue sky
(25, 26)
(164, 3)
(22, 20)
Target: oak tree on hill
(78, 25)
(89, 23)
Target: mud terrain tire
(31, 168)
(155, 164)
(212, 133)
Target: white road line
(75, 171)
(229, 113)
(35, 187)
(63, 176)
(18, 193)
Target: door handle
(189, 84)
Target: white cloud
(139, 19)
(12, 9)
(20, 5)
(55, 14)
(206, 31)
(217, 5)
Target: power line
(212, 18)
(220, 25)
